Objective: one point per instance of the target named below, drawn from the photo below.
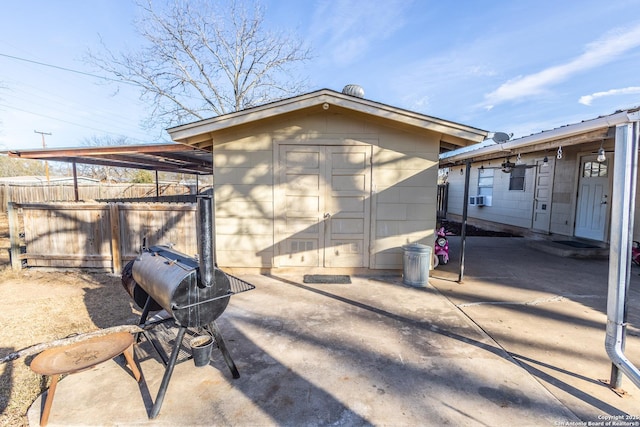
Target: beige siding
(244, 203)
(405, 183)
(403, 191)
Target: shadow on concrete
(499, 396)
(495, 349)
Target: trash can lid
(416, 247)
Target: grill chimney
(206, 260)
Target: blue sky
(512, 66)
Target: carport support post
(157, 186)
(75, 182)
(463, 229)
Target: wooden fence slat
(114, 221)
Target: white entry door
(325, 216)
(593, 198)
(542, 195)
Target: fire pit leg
(167, 374)
(215, 331)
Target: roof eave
(184, 132)
(454, 157)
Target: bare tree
(10, 166)
(203, 58)
(104, 173)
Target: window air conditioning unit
(477, 200)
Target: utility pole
(46, 164)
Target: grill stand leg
(215, 331)
(141, 323)
(167, 374)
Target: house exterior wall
(511, 207)
(515, 208)
(403, 184)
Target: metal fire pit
(193, 292)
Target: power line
(72, 123)
(99, 116)
(65, 69)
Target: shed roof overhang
(588, 131)
(175, 158)
(452, 135)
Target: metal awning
(177, 158)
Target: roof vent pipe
(622, 214)
(354, 90)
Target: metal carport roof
(176, 158)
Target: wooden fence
(46, 193)
(96, 235)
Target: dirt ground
(41, 306)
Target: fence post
(14, 236)
(114, 219)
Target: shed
(323, 180)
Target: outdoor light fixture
(507, 166)
(559, 155)
(601, 155)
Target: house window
(516, 179)
(594, 169)
(485, 182)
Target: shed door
(326, 216)
(593, 199)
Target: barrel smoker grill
(194, 292)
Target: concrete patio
(520, 342)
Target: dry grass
(41, 306)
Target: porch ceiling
(550, 145)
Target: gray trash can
(416, 261)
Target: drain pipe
(622, 213)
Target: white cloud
(588, 99)
(416, 102)
(600, 52)
(349, 29)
